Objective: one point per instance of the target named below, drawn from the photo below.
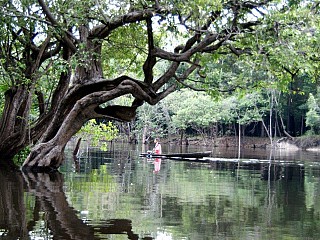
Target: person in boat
(157, 148)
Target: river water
(118, 195)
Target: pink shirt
(157, 148)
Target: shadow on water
(62, 221)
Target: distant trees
(313, 114)
(261, 114)
(192, 111)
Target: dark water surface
(118, 195)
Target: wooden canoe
(177, 155)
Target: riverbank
(311, 143)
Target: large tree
(84, 41)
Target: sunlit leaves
(230, 74)
(125, 51)
(288, 42)
(98, 134)
(313, 114)
(153, 121)
(192, 109)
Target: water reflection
(13, 223)
(117, 195)
(51, 215)
(156, 163)
(271, 170)
(50, 198)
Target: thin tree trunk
(270, 118)
(282, 123)
(144, 134)
(239, 140)
(76, 149)
(181, 137)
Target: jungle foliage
(62, 66)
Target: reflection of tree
(61, 219)
(118, 226)
(12, 208)
(294, 194)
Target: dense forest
(187, 114)
(154, 68)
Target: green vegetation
(264, 87)
(313, 114)
(61, 67)
(98, 134)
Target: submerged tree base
(45, 157)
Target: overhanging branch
(51, 18)
(123, 113)
(103, 30)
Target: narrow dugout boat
(195, 155)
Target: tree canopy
(62, 63)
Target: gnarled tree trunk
(15, 131)
(81, 103)
(14, 121)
